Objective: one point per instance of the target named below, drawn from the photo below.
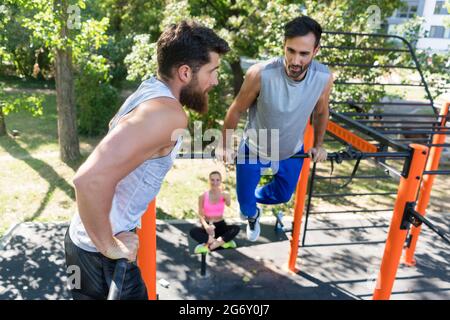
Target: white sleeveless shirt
(134, 192)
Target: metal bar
(411, 51)
(437, 172)
(342, 155)
(396, 121)
(408, 127)
(351, 211)
(357, 177)
(378, 84)
(359, 114)
(203, 264)
(395, 241)
(115, 289)
(430, 225)
(415, 132)
(370, 132)
(390, 103)
(344, 134)
(364, 49)
(412, 140)
(360, 65)
(308, 206)
(390, 169)
(331, 195)
(438, 145)
(426, 188)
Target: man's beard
(295, 74)
(193, 98)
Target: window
(408, 10)
(437, 32)
(440, 8)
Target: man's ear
(316, 50)
(184, 73)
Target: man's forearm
(320, 127)
(231, 121)
(94, 208)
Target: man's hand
(318, 154)
(126, 246)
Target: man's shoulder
(164, 109)
(319, 67)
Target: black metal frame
(375, 126)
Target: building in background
(435, 30)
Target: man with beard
(126, 169)
(280, 95)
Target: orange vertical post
(300, 196)
(147, 249)
(407, 192)
(427, 186)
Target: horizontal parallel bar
(356, 114)
(388, 103)
(366, 130)
(438, 145)
(378, 84)
(368, 66)
(415, 132)
(352, 211)
(437, 172)
(401, 126)
(356, 177)
(331, 195)
(396, 121)
(364, 49)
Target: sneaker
(201, 248)
(229, 245)
(253, 227)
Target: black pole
(115, 289)
(308, 206)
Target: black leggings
(227, 232)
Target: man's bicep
(126, 147)
(322, 103)
(249, 90)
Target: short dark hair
(215, 172)
(301, 26)
(187, 43)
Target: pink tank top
(213, 210)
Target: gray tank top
(134, 192)
(283, 108)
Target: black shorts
(96, 272)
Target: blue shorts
(279, 190)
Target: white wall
(431, 19)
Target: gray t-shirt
(277, 120)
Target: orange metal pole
(407, 192)
(427, 186)
(147, 249)
(351, 138)
(300, 196)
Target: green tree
(254, 29)
(73, 41)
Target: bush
(97, 102)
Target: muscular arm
(246, 96)
(134, 140)
(321, 114)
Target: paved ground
(340, 261)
